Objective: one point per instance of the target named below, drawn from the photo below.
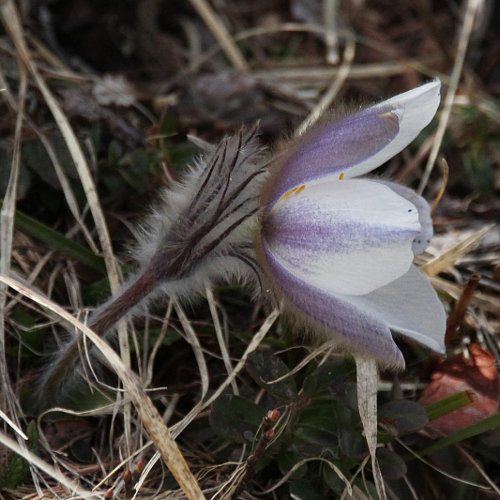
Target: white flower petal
(348, 237)
(422, 240)
(410, 306)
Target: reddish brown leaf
(477, 374)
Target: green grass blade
(480, 427)
(449, 404)
(56, 241)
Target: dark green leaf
(322, 377)
(305, 489)
(35, 156)
(81, 450)
(236, 418)
(344, 389)
(168, 124)
(403, 416)
(24, 180)
(32, 433)
(170, 337)
(31, 337)
(352, 443)
(391, 464)
(316, 436)
(332, 479)
(319, 417)
(366, 487)
(265, 367)
(115, 152)
(17, 470)
(287, 460)
(480, 169)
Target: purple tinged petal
(333, 149)
(361, 330)
(347, 237)
(356, 144)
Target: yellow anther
(341, 176)
(295, 190)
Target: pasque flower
(338, 249)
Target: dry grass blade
(150, 417)
(220, 335)
(334, 88)
(149, 363)
(325, 350)
(331, 15)
(321, 74)
(36, 461)
(457, 315)
(463, 42)
(220, 33)
(252, 346)
(197, 350)
(7, 213)
(442, 189)
(481, 470)
(13, 425)
(452, 254)
(13, 26)
(58, 168)
(441, 471)
(304, 461)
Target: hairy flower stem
(101, 322)
(111, 312)
(200, 233)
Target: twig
(266, 436)
(458, 313)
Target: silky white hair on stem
(200, 233)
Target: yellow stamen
(295, 190)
